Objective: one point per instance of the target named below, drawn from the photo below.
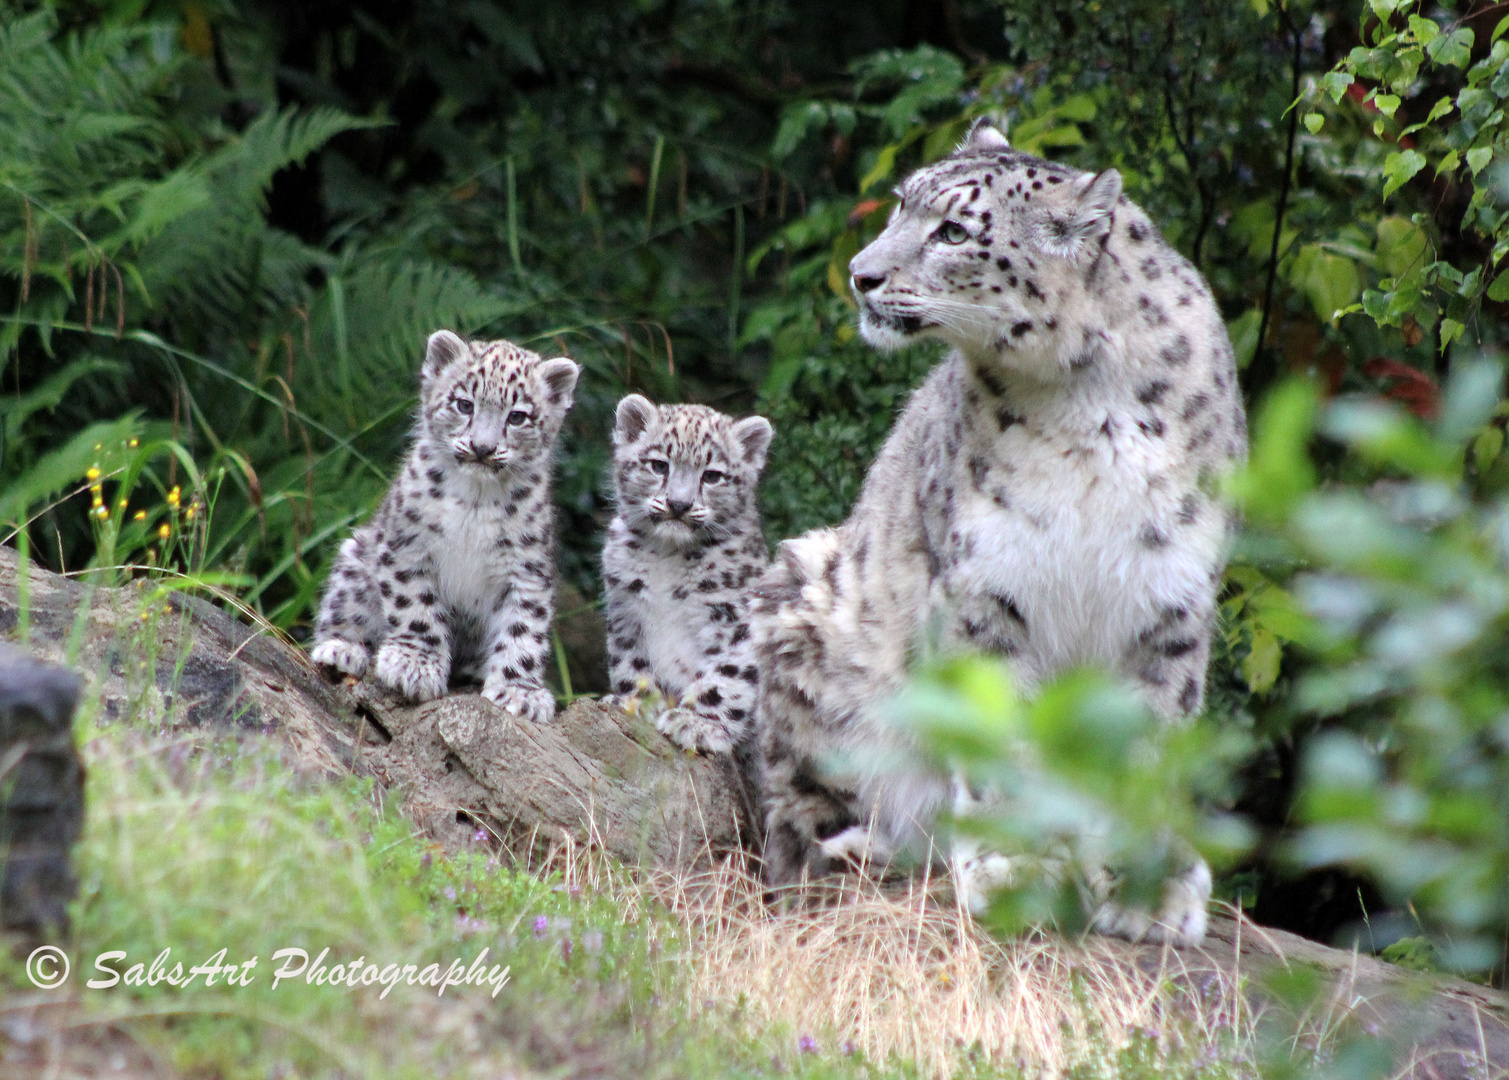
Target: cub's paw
(532, 703)
(692, 732)
(645, 700)
(347, 657)
(414, 673)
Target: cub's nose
(677, 507)
(484, 450)
(865, 283)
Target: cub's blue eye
(517, 417)
(713, 476)
(463, 406)
(658, 467)
(951, 232)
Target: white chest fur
(1080, 529)
(471, 569)
(673, 627)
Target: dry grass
(905, 975)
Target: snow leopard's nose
(483, 450)
(865, 275)
(677, 507)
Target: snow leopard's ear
(559, 376)
(443, 349)
(753, 434)
(634, 417)
(984, 136)
(1088, 220)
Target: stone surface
(41, 794)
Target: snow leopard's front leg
(415, 658)
(1169, 657)
(977, 870)
(628, 659)
(350, 619)
(517, 647)
(714, 712)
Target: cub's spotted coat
(454, 574)
(1047, 495)
(679, 554)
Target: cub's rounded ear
(984, 136)
(634, 417)
(753, 434)
(559, 376)
(443, 349)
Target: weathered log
(460, 764)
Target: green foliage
(1441, 101)
(1407, 589)
(1100, 780)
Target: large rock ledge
(595, 776)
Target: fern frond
(367, 331)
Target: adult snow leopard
(455, 570)
(680, 554)
(1047, 495)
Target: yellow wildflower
(163, 531)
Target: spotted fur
(1047, 495)
(454, 573)
(680, 553)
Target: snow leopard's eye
(951, 232)
(463, 406)
(713, 476)
(517, 417)
(658, 467)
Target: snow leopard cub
(454, 573)
(683, 546)
(1048, 495)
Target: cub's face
(491, 405)
(984, 250)
(685, 473)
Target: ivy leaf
(1500, 29)
(1454, 48)
(1399, 168)
(1261, 666)
(1449, 163)
(1388, 104)
(1243, 331)
(1314, 122)
(1478, 157)
(1450, 331)
(1499, 290)
(1401, 245)
(1330, 281)
(885, 161)
(1336, 83)
(1425, 30)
